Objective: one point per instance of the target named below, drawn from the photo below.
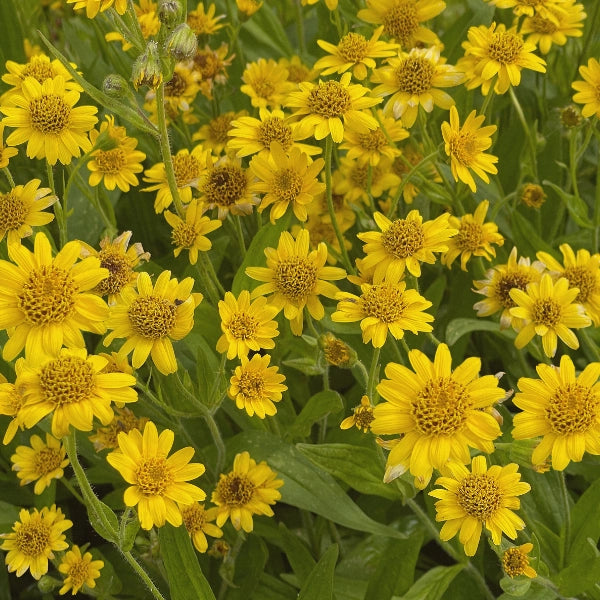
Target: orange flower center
(463, 147)
(110, 161)
(275, 130)
(543, 26)
(176, 86)
(33, 538)
(384, 302)
(363, 417)
(39, 70)
(67, 380)
(287, 184)
(154, 476)
(414, 75)
(573, 408)
(336, 352)
(49, 114)
(403, 238)
(546, 311)
(226, 185)
(252, 385)
(12, 211)
(402, 22)
(582, 278)
(47, 460)
(152, 317)
(509, 281)
(469, 237)
(353, 47)
(373, 141)
(218, 129)
(242, 326)
(184, 235)
(235, 490)
(187, 169)
(295, 278)
(533, 195)
(479, 495)
(329, 99)
(514, 562)
(79, 572)
(505, 47)
(194, 517)
(119, 271)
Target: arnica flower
(199, 523)
(362, 416)
(404, 244)
(44, 115)
(439, 413)
(248, 7)
(321, 230)
(561, 408)
(157, 481)
(296, 278)
(297, 70)
(465, 146)
(210, 66)
(214, 135)
(322, 107)
(180, 91)
(412, 79)
(331, 4)
(336, 351)
(41, 462)
(354, 176)
(266, 83)
(6, 152)
(93, 7)
(287, 178)
(191, 234)
(80, 570)
(123, 421)
(11, 402)
(515, 561)
(47, 301)
(71, 387)
(474, 237)
(22, 208)
(255, 386)
(246, 326)
(549, 309)
(115, 165)
(151, 316)
(34, 539)
(204, 22)
(354, 51)
(544, 8)
(384, 307)
(532, 195)
(480, 497)
(249, 489)
(587, 90)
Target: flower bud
(115, 86)
(146, 69)
(337, 352)
(170, 13)
(47, 584)
(570, 117)
(533, 195)
(182, 43)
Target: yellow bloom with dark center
(34, 539)
(80, 570)
(544, 8)
(384, 307)
(322, 107)
(362, 416)
(41, 462)
(404, 244)
(123, 421)
(296, 278)
(246, 325)
(44, 115)
(93, 7)
(199, 523)
(354, 51)
(266, 83)
(439, 413)
(515, 561)
(157, 481)
(297, 70)
(214, 135)
(357, 181)
(6, 152)
(561, 408)
(204, 22)
(465, 146)
(320, 230)
(46, 302)
(11, 402)
(210, 66)
(482, 496)
(249, 489)
(532, 195)
(549, 309)
(588, 90)
(255, 386)
(181, 90)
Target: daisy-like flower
(210, 66)
(322, 107)
(93, 7)
(44, 115)
(11, 402)
(247, 490)
(158, 481)
(404, 244)
(515, 561)
(474, 237)
(79, 569)
(6, 152)
(199, 523)
(34, 539)
(204, 22)
(296, 278)
(265, 82)
(544, 8)
(336, 351)
(180, 91)
(191, 233)
(116, 165)
(439, 413)
(561, 408)
(361, 418)
(214, 135)
(297, 70)
(354, 176)
(123, 421)
(287, 178)
(248, 7)
(482, 496)
(384, 307)
(322, 230)
(532, 195)
(412, 79)
(587, 90)
(465, 146)
(22, 208)
(41, 462)
(354, 51)
(246, 326)
(47, 301)
(255, 386)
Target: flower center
(67, 380)
(505, 47)
(183, 235)
(242, 326)
(252, 385)
(219, 127)
(46, 460)
(322, 232)
(187, 169)
(374, 140)
(353, 47)
(263, 87)
(533, 195)
(363, 417)
(336, 352)
(176, 86)
(226, 185)
(275, 130)
(12, 211)
(295, 278)
(110, 161)
(582, 278)
(33, 538)
(384, 302)
(463, 147)
(401, 22)
(541, 25)
(287, 184)
(154, 476)
(359, 175)
(38, 69)
(47, 296)
(297, 73)
(119, 271)
(441, 407)
(152, 317)
(479, 496)
(235, 490)
(573, 408)
(79, 573)
(329, 99)
(403, 238)
(514, 562)
(546, 311)
(207, 63)
(49, 114)
(507, 282)
(194, 517)
(469, 237)
(414, 75)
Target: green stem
(361, 367)
(564, 493)
(218, 440)
(72, 490)
(530, 140)
(11, 181)
(237, 224)
(300, 29)
(211, 291)
(589, 344)
(573, 161)
(213, 275)
(488, 101)
(373, 374)
(142, 574)
(59, 210)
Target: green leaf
(433, 584)
(99, 513)
(585, 522)
(317, 407)
(184, 574)
(306, 365)
(578, 577)
(576, 206)
(9, 515)
(271, 588)
(130, 525)
(526, 238)
(517, 586)
(249, 566)
(319, 584)
(265, 28)
(297, 553)
(459, 327)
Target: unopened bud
(170, 13)
(570, 117)
(337, 352)
(48, 584)
(146, 68)
(533, 195)
(182, 43)
(115, 86)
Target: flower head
(11, 401)
(515, 561)
(532, 195)
(6, 152)
(587, 90)
(265, 81)
(214, 135)
(204, 22)
(93, 7)
(123, 421)
(336, 351)
(362, 416)
(79, 569)
(199, 523)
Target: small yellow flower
(248, 7)
(80, 570)
(337, 352)
(361, 418)
(354, 175)
(265, 82)
(123, 421)
(587, 90)
(214, 135)
(515, 561)
(533, 195)
(297, 70)
(198, 522)
(204, 22)
(6, 152)
(11, 402)
(93, 7)
(210, 66)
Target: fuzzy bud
(115, 86)
(146, 69)
(182, 43)
(170, 13)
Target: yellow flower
(35, 538)
(550, 311)
(11, 402)
(46, 301)
(561, 408)
(354, 175)
(116, 165)
(246, 326)
(336, 351)
(382, 307)
(123, 421)
(532, 195)
(331, 4)
(44, 115)
(180, 91)
(248, 7)
(6, 152)
(296, 278)
(465, 146)
(79, 569)
(93, 7)
(151, 316)
(544, 8)
(265, 82)
(214, 135)
(41, 462)
(22, 208)
(297, 70)
(320, 230)
(198, 522)
(146, 13)
(210, 66)
(480, 497)
(515, 561)
(587, 90)
(439, 413)
(255, 386)
(204, 22)
(247, 490)
(362, 416)
(404, 244)
(157, 480)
